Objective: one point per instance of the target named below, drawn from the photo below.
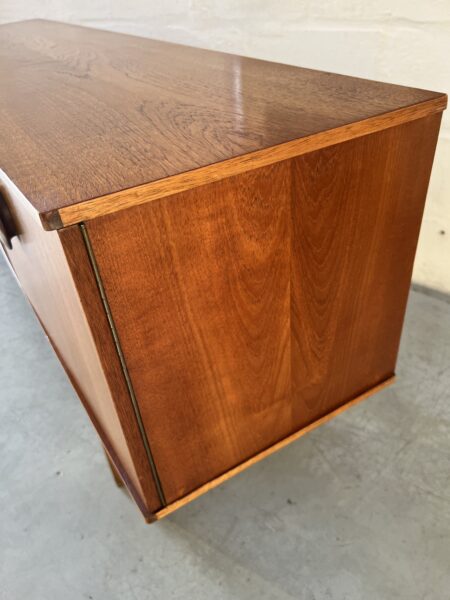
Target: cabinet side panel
(61, 290)
(250, 307)
(198, 285)
(356, 214)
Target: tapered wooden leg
(114, 471)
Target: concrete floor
(358, 509)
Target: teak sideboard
(218, 248)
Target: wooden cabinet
(219, 249)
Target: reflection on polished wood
(102, 112)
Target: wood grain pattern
(104, 205)
(253, 306)
(170, 508)
(203, 319)
(88, 113)
(356, 215)
(55, 275)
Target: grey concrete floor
(358, 509)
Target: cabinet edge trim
(161, 188)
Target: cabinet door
(252, 306)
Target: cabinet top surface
(86, 113)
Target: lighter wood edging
(104, 205)
(167, 510)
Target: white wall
(399, 41)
